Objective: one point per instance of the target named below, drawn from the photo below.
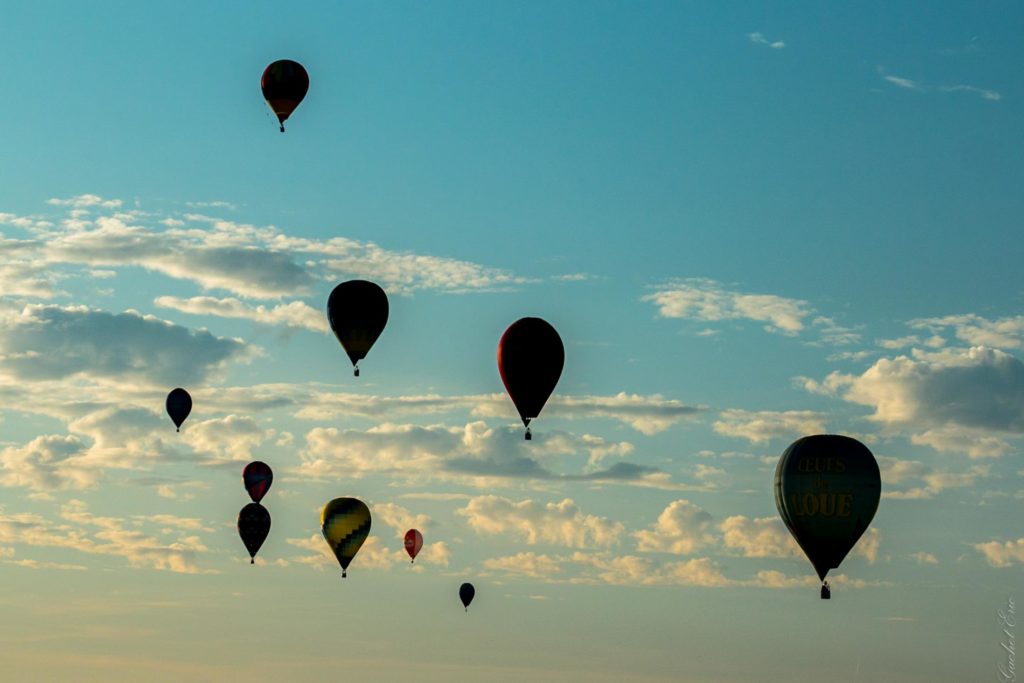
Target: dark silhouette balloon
(257, 478)
(413, 543)
(345, 523)
(530, 360)
(253, 527)
(827, 489)
(179, 405)
(284, 84)
(357, 311)
(466, 593)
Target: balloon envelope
(827, 489)
(466, 593)
(284, 84)
(345, 523)
(530, 360)
(357, 311)
(179, 405)
(253, 527)
(413, 543)
(257, 478)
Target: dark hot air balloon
(345, 523)
(827, 489)
(357, 311)
(466, 593)
(179, 405)
(284, 84)
(530, 359)
(253, 527)
(413, 543)
(257, 478)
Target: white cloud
(246, 260)
(1001, 333)
(924, 558)
(903, 82)
(682, 528)
(474, 453)
(985, 93)
(228, 438)
(399, 518)
(560, 523)
(758, 537)
(26, 278)
(526, 564)
(759, 39)
(703, 299)
(763, 426)
(918, 481)
(54, 342)
(708, 300)
(294, 314)
(647, 414)
(955, 399)
(86, 201)
(47, 463)
(81, 531)
(1002, 554)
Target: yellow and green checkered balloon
(346, 524)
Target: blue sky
(747, 226)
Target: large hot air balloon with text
(530, 360)
(357, 311)
(827, 489)
(345, 523)
(284, 84)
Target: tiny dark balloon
(466, 594)
(253, 527)
(179, 405)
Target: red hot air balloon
(284, 84)
(530, 360)
(257, 478)
(413, 543)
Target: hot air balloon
(357, 311)
(253, 527)
(530, 359)
(179, 405)
(257, 478)
(826, 490)
(413, 543)
(345, 523)
(284, 84)
(466, 593)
